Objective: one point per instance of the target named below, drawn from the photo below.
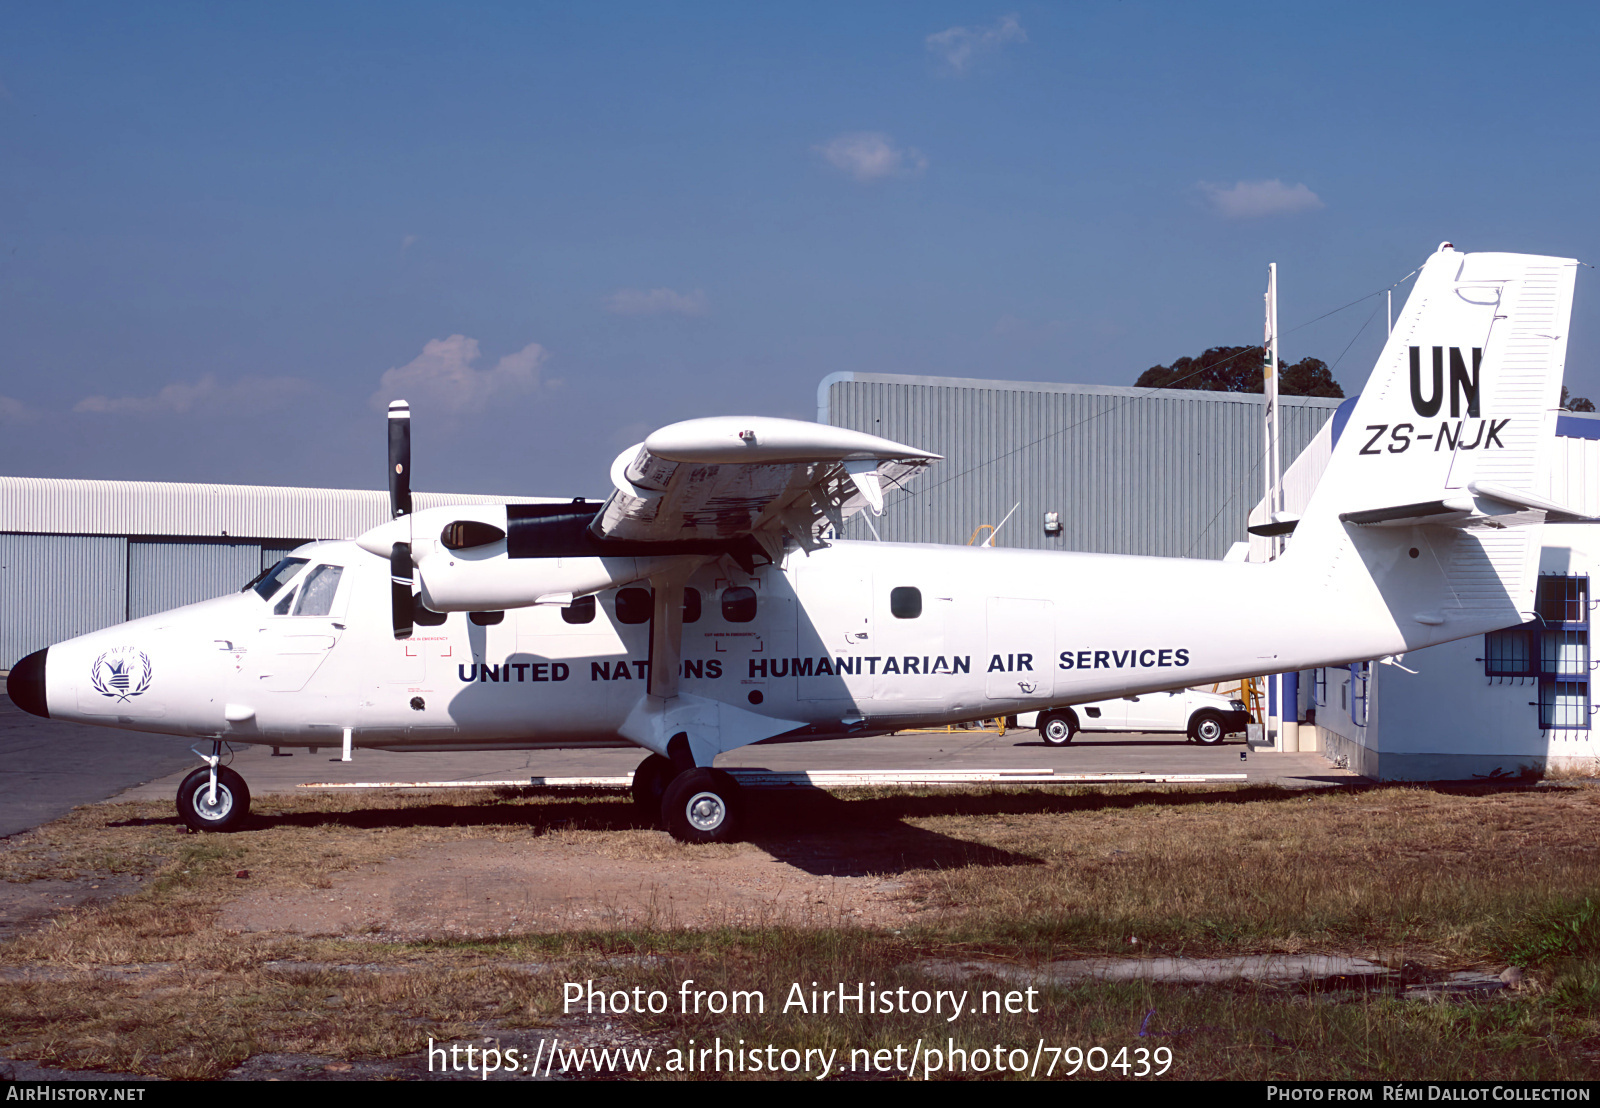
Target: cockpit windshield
(278, 576)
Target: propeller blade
(399, 459)
(400, 588)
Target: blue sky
(228, 233)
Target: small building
(1513, 701)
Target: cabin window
(426, 617)
(580, 610)
(634, 605)
(316, 595)
(739, 604)
(486, 619)
(691, 605)
(905, 602)
(276, 577)
(282, 607)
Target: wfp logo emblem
(1462, 386)
(122, 673)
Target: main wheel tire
(701, 806)
(1207, 729)
(1057, 728)
(229, 811)
(650, 783)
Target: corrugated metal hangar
(76, 556)
(1166, 472)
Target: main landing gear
(213, 798)
(698, 805)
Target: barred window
(1510, 653)
(1553, 648)
(1564, 705)
(1563, 599)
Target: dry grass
(1451, 878)
(1445, 875)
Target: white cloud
(1252, 199)
(656, 302)
(871, 156)
(960, 47)
(13, 411)
(442, 379)
(180, 397)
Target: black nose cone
(25, 686)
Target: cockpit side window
(278, 576)
(282, 607)
(316, 595)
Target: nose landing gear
(213, 798)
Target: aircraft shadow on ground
(820, 833)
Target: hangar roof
(56, 506)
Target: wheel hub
(210, 811)
(706, 811)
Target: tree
(1575, 403)
(1238, 369)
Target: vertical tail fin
(1447, 450)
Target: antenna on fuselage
(990, 541)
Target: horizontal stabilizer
(1526, 501)
(1489, 505)
(1283, 525)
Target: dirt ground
(488, 887)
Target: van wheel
(1057, 728)
(1206, 728)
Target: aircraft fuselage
(853, 639)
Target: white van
(1206, 717)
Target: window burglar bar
(1554, 648)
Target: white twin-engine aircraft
(702, 606)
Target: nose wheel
(214, 798)
(201, 809)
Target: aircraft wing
(729, 476)
(731, 486)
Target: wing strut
(666, 629)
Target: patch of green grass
(1562, 930)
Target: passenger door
(1021, 650)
